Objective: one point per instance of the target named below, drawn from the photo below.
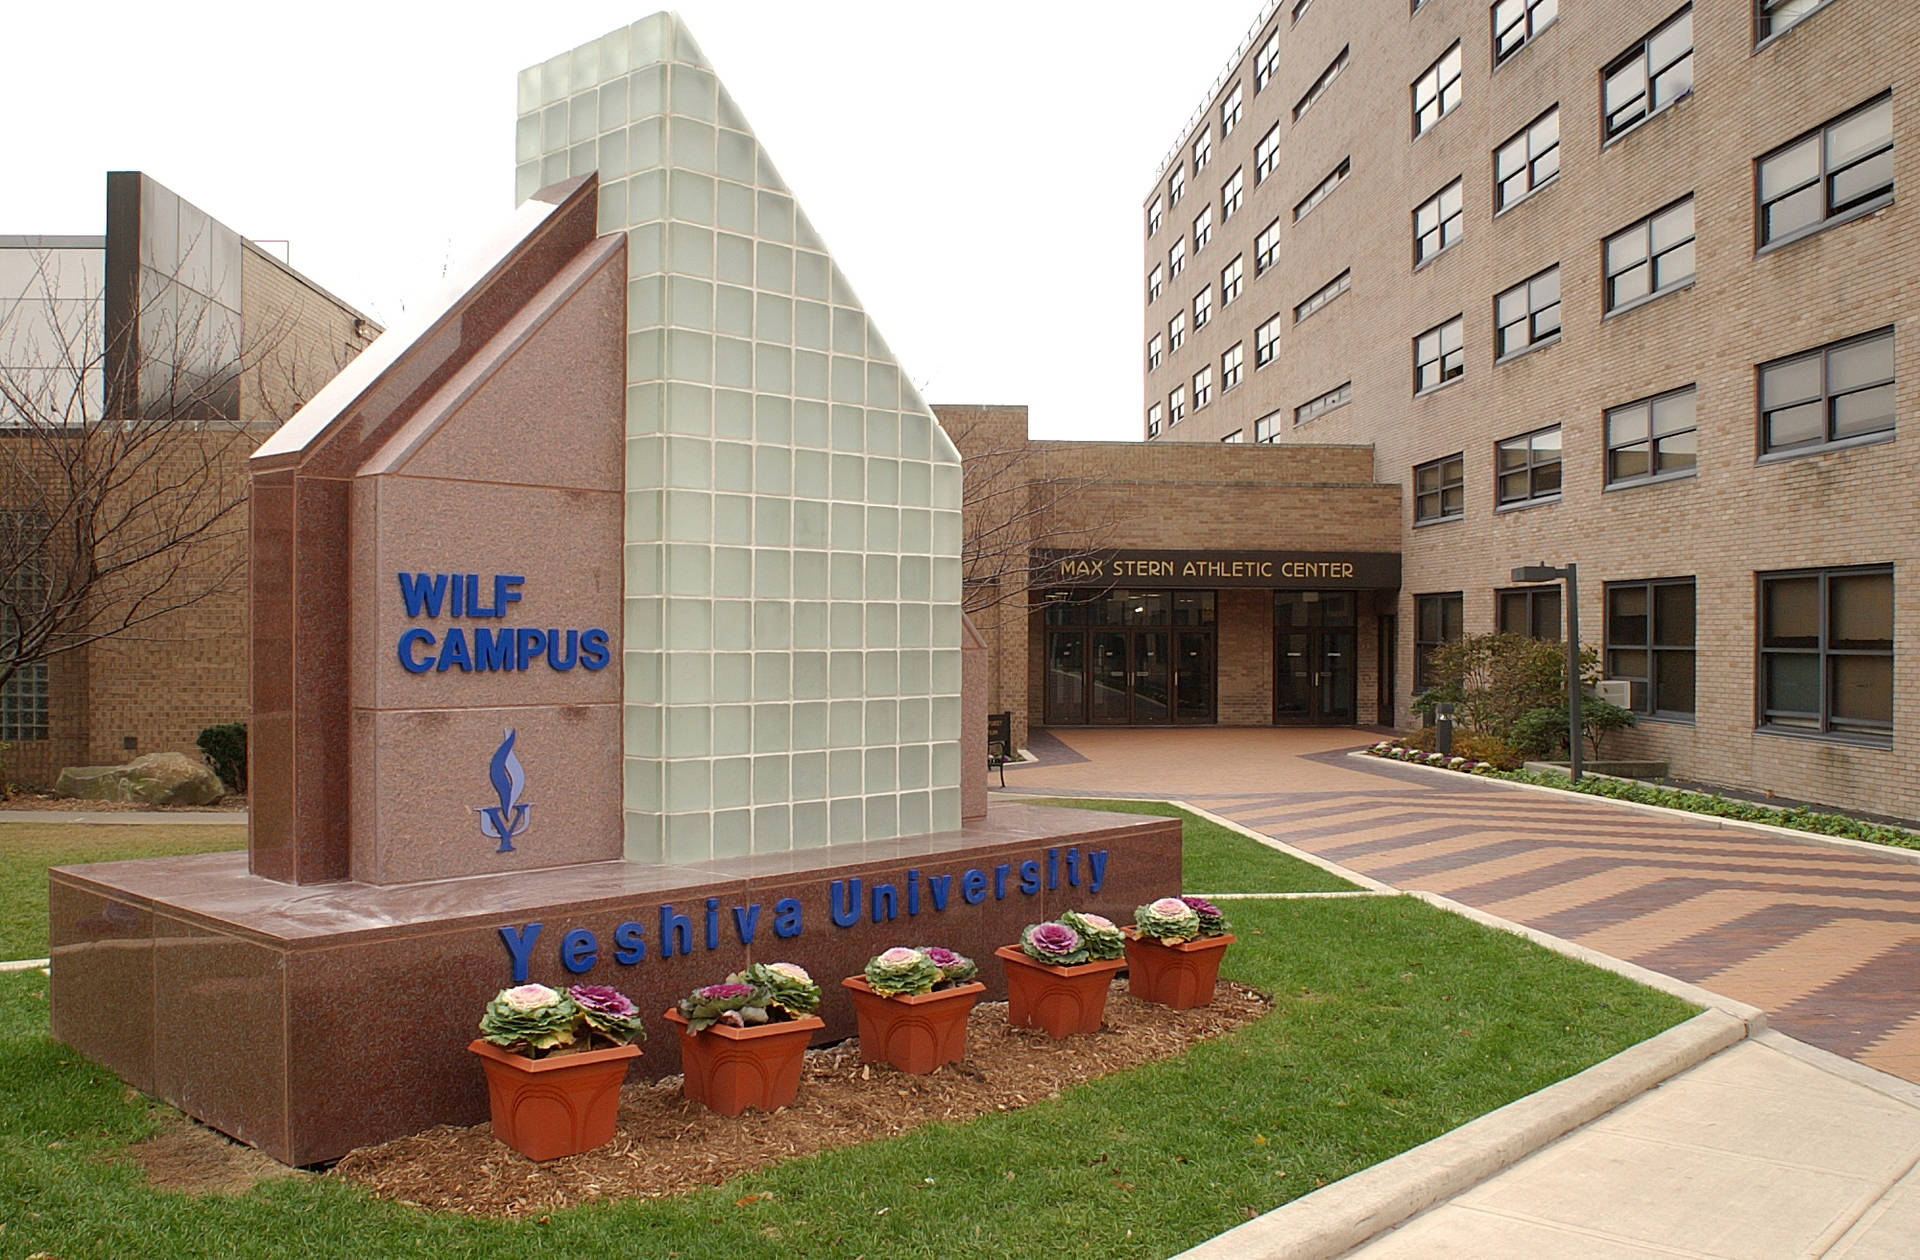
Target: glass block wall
(792, 634)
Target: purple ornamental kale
(602, 1000)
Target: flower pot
(1180, 975)
(917, 1032)
(1060, 1000)
(730, 1069)
(560, 1105)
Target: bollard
(1443, 729)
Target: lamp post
(1533, 573)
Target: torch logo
(509, 818)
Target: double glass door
(1129, 677)
(1315, 647)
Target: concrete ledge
(1338, 1218)
(23, 964)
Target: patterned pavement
(1825, 940)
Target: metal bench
(999, 743)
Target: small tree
(1514, 689)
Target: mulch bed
(665, 1145)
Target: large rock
(167, 778)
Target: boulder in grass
(167, 778)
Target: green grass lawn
(27, 849)
(1393, 1022)
(1219, 860)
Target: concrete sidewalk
(178, 817)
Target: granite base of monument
(310, 1019)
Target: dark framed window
(1230, 277)
(1826, 653)
(1438, 222)
(1232, 364)
(1202, 308)
(1266, 342)
(1202, 228)
(1230, 112)
(1649, 644)
(1266, 154)
(1436, 93)
(1516, 22)
(1835, 393)
(1154, 415)
(1266, 248)
(1437, 620)
(1232, 193)
(1440, 490)
(1439, 355)
(1651, 258)
(1339, 396)
(1839, 170)
(1533, 611)
(1237, 436)
(1267, 427)
(1202, 149)
(1776, 17)
(1530, 159)
(26, 699)
(1155, 281)
(1176, 257)
(1176, 331)
(1156, 350)
(1325, 294)
(1323, 190)
(1528, 314)
(1267, 60)
(1299, 7)
(1176, 186)
(1320, 85)
(1649, 76)
(1203, 387)
(1652, 439)
(1155, 212)
(1527, 468)
(1177, 405)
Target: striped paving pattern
(1826, 941)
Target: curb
(1846, 843)
(1365, 882)
(1334, 1220)
(25, 964)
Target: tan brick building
(1623, 284)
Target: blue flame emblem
(509, 818)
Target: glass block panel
(689, 734)
(732, 833)
(883, 814)
(771, 780)
(772, 829)
(845, 724)
(809, 724)
(732, 676)
(732, 729)
(809, 824)
(772, 727)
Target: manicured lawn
(1218, 860)
(1394, 1022)
(27, 849)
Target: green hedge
(226, 749)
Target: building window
(1838, 392)
(1323, 190)
(1438, 222)
(1230, 194)
(1230, 281)
(1155, 211)
(1527, 315)
(1437, 91)
(1516, 22)
(1419, 5)
(1266, 342)
(1439, 355)
(1649, 644)
(1230, 112)
(1267, 427)
(1266, 248)
(1154, 349)
(25, 704)
(1437, 621)
(1266, 154)
(1176, 187)
(1177, 257)
(1527, 468)
(1203, 387)
(1238, 435)
(1299, 7)
(1652, 258)
(1320, 85)
(1176, 331)
(1202, 150)
(1440, 490)
(1202, 229)
(1826, 652)
(1202, 308)
(1176, 405)
(1154, 281)
(1533, 611)
(1840, 170)
(1329, 291)
(1267, 60)
(1651, 76)
(1527, 161)
(1776, 17)
(1230, 366)
(1652, 439)
(1154, 413)
(1339, 396)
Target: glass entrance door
(1152, 676)
(1120, 658)
(1334, 664)
(1293, 676)
(1112, 677)
(1315, 667)
(1193, 677)
(1066, 696)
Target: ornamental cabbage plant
(791, 992)
(954, 968)
(1212, 922)
(736, 1005)
(1169, 919)
(1054, 944)
(528, 1019)
(902, 972)
(1099, 934)
(607, 1014)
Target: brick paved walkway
(1826, 941)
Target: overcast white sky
(977, 168)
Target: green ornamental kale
(954, 968)
(529, 1018)
(790, 991)
(902, 972)
(1169, 919)
(1099, 934)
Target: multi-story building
(1623, 284)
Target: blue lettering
(913, 893)
(520, 948)
(630, 943)
(579, 950)
(1000, 874)
(1053, 869)
(456, 605)
(675, 930)
(1029, 878)
(593, 649)
(423, 593)
(408, 661)
(745, 922)
(1073, 867)
(938, 887)
(492, 649)
(842, 904)
(973, 886)
(786, 918)
(454, 652)
(532, 643)
(503, 592)
(563, 664)
(1096, 870)
(888, 896)
(474, 606)
(713, 923)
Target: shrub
(226, 750)
(1488, 748)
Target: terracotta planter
(1061, 1000)
(1181, 976)
(547, 1108)
(915, 1033)
(730, 1069)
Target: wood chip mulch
(665, 1145)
